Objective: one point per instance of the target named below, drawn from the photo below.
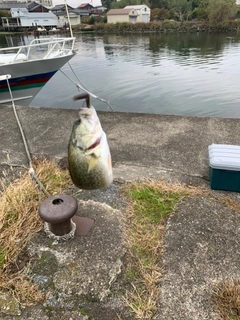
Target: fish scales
(80, 176)
(89, 156)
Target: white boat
(26, 69)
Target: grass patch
(150, 205)
(19, 221)
(226, 296)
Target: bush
(91, 20)
(85, 20)
(169, 24)
(200, 14)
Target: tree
(195, 4)
(181, 9)
(158, 4)
(107, 3)
(200, 9)
(220, 11)
(159, 14)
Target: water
(185, 74)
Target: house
(131, 14)
(60, 11)
(61, 8)
(143, 12)
(81, 13)
(100, 9)
(22, 18)
(74, 17)
(86, 6)
(121, 15)
(86, 9)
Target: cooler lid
(224, 157)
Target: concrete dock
(202, 237)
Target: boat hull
(27, 78)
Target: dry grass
(19, 221)
(150, 204)
(226, 296)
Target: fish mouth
(85, 114)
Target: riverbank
(166, 26)
(85, 279)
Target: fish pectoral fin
(92, 163)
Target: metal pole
(69, 23)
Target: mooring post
(59, 212)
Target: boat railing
(48, 48)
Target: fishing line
(31, 170)
(76, 76)
(82, 87)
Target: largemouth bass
(89, 157)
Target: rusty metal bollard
(57, 211)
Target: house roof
(34, 15)
(118, 11)
(137, 7)
(34, 5)
(60, 7)
(83, 5)
(10, 5)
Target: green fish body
(89, 157)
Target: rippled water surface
(186, 74)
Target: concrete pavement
(202, 236)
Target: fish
(89, 157)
